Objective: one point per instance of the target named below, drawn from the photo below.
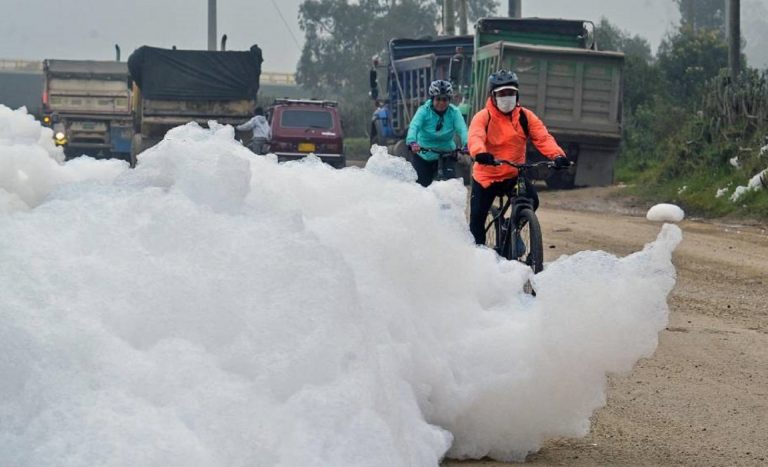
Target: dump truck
(572, 86)
(21, 85)
(575, 88)
(87, 104)
(410, 66)
(174, 87)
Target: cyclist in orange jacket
(501, 131)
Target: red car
(304, 126)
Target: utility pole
(449, 28)
(463, 17)
(211, 24)
(515, 8)
(733, 17)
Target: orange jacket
(505, 139)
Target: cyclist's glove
(561, 161)
(484, 158)
(414, 147)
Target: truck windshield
(306, 119)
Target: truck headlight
(60, 136)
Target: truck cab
(86, 103)
(304, 126)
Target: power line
(286, 25)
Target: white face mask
(506, 103)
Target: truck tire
(561, 180)
(401, 150)
(341, 163)
(464, 168)
(564, 179)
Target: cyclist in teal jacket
(433, 127)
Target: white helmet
(441, 87)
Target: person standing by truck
(433, 128)
(501, 131)
(261, 131)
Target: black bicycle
(512, 229)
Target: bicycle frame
(508, 221)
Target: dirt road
(702, 399)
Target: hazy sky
(88, 29)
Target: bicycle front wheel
(529, 231)
(493, 229)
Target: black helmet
(441, 87)
(502, 78)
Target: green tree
(341, 38)
(610, 37)
(642, 79)
(480, 9)
(688, 59)
(702, 14)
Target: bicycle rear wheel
(529, 230)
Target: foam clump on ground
(212, 307)
(665, 212)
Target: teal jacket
(422, 130)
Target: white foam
(212, 308)
(757, 182)
(665, 213)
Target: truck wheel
(561, 180)
(464, 170)
(136, 148)
(401, 150)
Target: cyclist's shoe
(519, 247)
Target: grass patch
(357, 148)
(696, 192)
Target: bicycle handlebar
(547, 163)
(442, 152)
(524, 165)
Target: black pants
(482, 198)
(425, 170)
(257, 145)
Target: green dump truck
(573, 87)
